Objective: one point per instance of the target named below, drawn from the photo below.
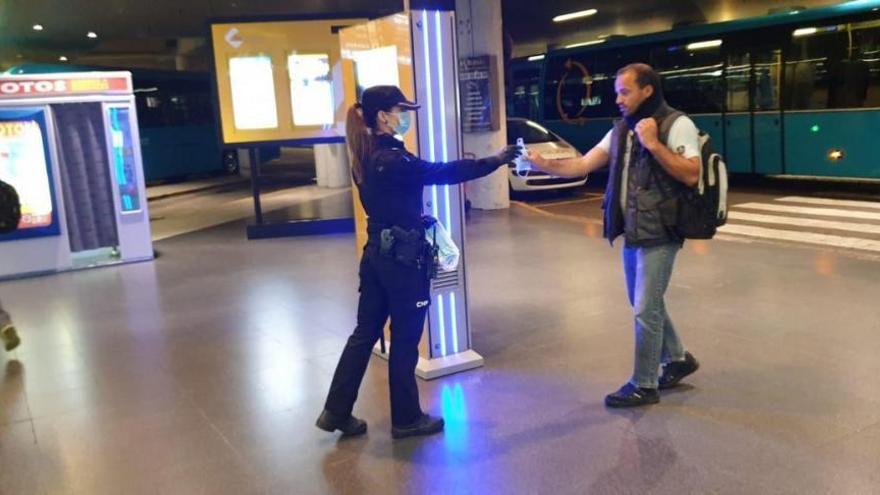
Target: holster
(407, 247)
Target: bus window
(835, 66)
(150, 107)
(582, 85)
(568, 87)
(692, 75)
(767, 72)
(761, 64)
(738, 73)
(864, 63)
(605, 72)
(811, 53)
(173, 102)
(189, 108)
(524, 93)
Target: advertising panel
(279, 81)
(25, 163)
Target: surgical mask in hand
(523, 165)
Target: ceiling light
(92, 35)
(535, 58)
(805, 31)
(38, 27)
(62, 58)
(574, 15)
(586, 43)
(700, 45)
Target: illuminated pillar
(422, 42)
(435, 66)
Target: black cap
(376, 98)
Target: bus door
(753, 113)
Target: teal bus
(790, 94)
(178, 128)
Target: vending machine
(69, 145)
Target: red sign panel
(17, 87)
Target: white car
(549, 145)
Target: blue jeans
(648, 271)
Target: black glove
(506, 155)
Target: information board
(279, 81)
(479, 99)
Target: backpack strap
(665, 125)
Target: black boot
(10, 337)
(631, 396)
(350, 426)
(675, 371)
(426, 425)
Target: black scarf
(648, 108)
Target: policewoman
(397, 262)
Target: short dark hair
(645, 75)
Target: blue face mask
(404, 122)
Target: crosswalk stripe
(803, 237)
(865, 228)
(830, 202)
(803, 210)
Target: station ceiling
(147, 28)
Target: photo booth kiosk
(69, 144)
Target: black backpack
(702, 208)
(10, 208)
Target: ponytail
(360, 144)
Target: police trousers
(387, 289)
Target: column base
(429, 369)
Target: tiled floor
(203, 372)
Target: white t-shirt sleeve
(605, 143)
(684, 138)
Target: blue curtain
(85, 176)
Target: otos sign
(13, 88)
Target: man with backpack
(10, 215)
(655, 184)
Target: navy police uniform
(394, 286)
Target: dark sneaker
(350, 426)
(675, 371)
(426, 425)
(10, 337)
(631, 396)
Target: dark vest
(651, 194)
